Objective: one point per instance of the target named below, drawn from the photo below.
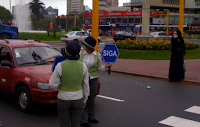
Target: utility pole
(95, 22)
(181, 15)
(167, 30)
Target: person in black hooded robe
(176, 69)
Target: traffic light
(65, 17)
(60, 16)
(56, 17)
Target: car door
(6, 72)
(161, 35)
(79, 36)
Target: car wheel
(5, 36)
(23, 99)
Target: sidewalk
(157, 68)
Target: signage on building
(110, 14)
(125, 25)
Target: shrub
(151, 45)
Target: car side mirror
(6, 63)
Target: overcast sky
(59, 4)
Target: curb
(158, 77)
(107, 40)
(64, 42)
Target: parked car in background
(160, 35)
(78, 36)
(122, 35)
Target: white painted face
(175, 33)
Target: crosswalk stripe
(193, 109)
(174, 121)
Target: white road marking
(110, 98)
(193, 109)
(174, 121)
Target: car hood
(42, 71)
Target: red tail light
(64, 36)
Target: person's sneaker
(85, 124)
(93, 121)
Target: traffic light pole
(181, 15)
(167, 31)
(95, 22)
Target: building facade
(167, 4)
(75, 6)
(50, 12)
(112, 3)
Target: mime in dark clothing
(176, 69)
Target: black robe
(176, 69)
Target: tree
(5, 15)
(36, 7)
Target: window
(197, 2)
(79, 33)
(125, 20)
(131, 20)
(119, 20)
(107, 19)
(5, 54)
(137, 20)
(113, 20)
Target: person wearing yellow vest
(70, 78)
(94, 62)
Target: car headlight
(43, 86)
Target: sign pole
(95, 22)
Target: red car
(25, 70)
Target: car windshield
(25, 56)
(153, 33)
(120, 32)
(71, 33)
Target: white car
(78, 36)
(160, 35)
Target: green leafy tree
(5, 15)
(36, 8)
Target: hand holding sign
(110, 54)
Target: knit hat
(71, 51)
(90, 42)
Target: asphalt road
(124, 101)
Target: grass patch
(41, 36)
(155, 54)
